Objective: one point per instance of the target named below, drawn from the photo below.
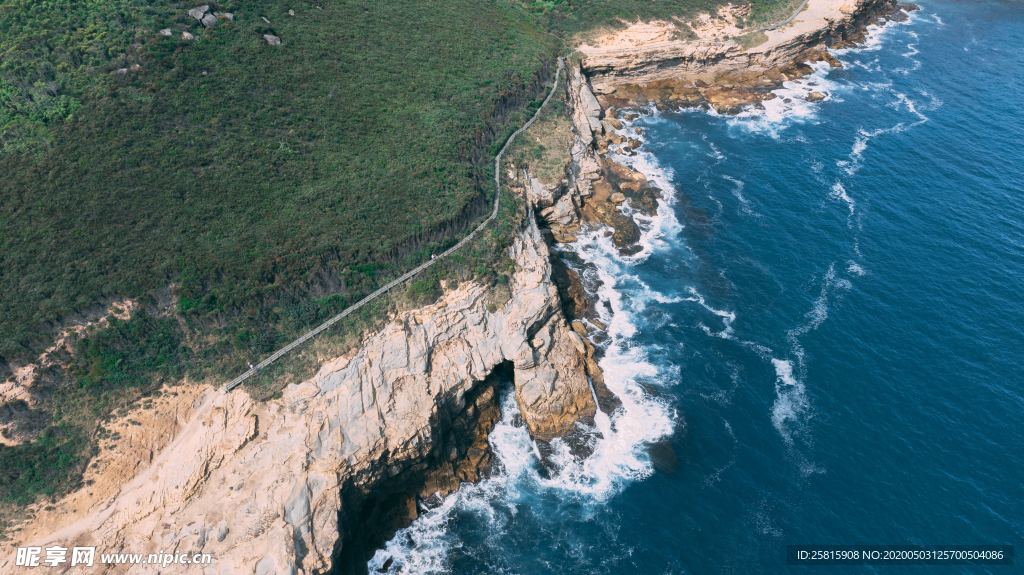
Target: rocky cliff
(285, 486)
(657, 62)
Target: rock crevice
(261, 485)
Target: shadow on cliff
(375, 507)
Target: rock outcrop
(261, 485)
(655, 63)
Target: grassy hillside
(241, 192)
(245, 172)
(569, 16)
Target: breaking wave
(618, 440)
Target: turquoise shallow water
(827, 327)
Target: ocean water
(821, 343)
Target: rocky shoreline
(722, 73)
(316, 480)
(273, 486)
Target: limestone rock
(257, 484)
(646, 63)
(198, 12)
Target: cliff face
(655, 62)
(262, 486)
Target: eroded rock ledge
(655, 63)
(262, 486)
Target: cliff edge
(273, 487)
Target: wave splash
(619, 440)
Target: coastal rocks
(262, 485)
(637, 67)
(588, 196)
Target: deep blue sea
(826, 329)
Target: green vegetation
(43, 467)
(571, 16)
(55, 53)
(269, 186)
(545, 146)
(243, 192)
(767, 13)
(254, 177)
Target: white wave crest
(657, 229)
(839, 193)
(619, 440)
(737, 191)
(791, 403)
(790, 105)
(728, 317)
(790, 399)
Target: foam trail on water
(716, 475)
(792, 103)
(791, 404)
(424, 546)
(728, 317)
(790, 399)
(839, 193)
(737, 191)
(855, 268)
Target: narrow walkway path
(416, 270)
(791, 18)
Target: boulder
(816, 96)
(166, 32)
(186, 36)
(198, 12)
(617, 198)
(209, 20)
(272, 39)
(225, 16)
